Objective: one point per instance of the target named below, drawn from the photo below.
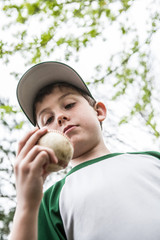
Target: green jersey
(114, 197)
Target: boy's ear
(101, 111)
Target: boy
(105, 195)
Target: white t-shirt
(114, 197)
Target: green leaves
(86, 15)
(73, 25)
(32, 8)
(6, 109)
(6, 113)
(5, 220)
(47, 36)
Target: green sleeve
(50, 225)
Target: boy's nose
(61, 119)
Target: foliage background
(114, 46)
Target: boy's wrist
(25, 224)
(26, 208)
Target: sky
(90, 56)
(99, 52)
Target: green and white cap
(41, 75)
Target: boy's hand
(30, 169)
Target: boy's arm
(30, 165)
(25, 225)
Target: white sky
(89, 58)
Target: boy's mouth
(68, 128)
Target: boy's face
(69, 112)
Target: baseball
(61, 146)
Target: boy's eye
(49, 120)
(70, 105)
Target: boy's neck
(93, 153)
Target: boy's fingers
(34, 155)
(40, 163)
(30, 140)
(25, 139)
(38, 149)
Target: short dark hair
(48, 90)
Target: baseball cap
(41, 75)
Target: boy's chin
(79, 152)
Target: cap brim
(41, 75)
